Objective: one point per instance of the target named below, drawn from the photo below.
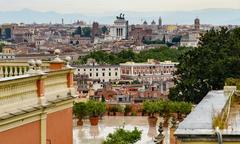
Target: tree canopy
(205, 68)
(160, 54)
(78, 31)
(86, 32)
(104, 30)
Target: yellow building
(36, 107)
(171, 28)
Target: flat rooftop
(199, 121)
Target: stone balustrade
(32, 90)
(16, 68)
(17, 92)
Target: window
(109, 74)
(90, 69)
(96, 74)
(120, 99)
(84, 69)
(90, 74)
(103, 74)
(116, 73)
(109, 69)
(103, 69)
(96, 69)
(78, 69)
(116, 68)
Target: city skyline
(207, 16)
(100, 6)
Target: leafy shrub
(80, 110)
(166, 107)
(122, 136)
(127, 109)
(95, 108)
(116, 108)
(233, 82)
(184, 107)
(151, 107)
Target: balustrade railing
(16, 68)
(19, 92)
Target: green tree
(176, 39)
(8, 33)
(160, 54)
(78, 31)
(122, 136)
(148, 42)
(86, 32)
(233, 82)
(206, 67)
(79, 110)
(104, 30)
(95, 108)
(136, 82)
(151, 107)
(164, 39)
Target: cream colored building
(104, 73)
(149, 71)
(119, 30)
(36, 107)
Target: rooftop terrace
(199, 123)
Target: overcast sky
(95, 6)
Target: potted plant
(166, 111)
(127, 110)
(184, 108)
(151, 108)
(113, 109)
(173, 108)
(95, 109)
(120, 110)
(139, 111)
(79, 110)
(122, 136)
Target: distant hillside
(207, 16)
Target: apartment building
(151, 71)
(101, 72)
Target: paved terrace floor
(87, 134)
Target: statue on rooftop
(121, 16)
